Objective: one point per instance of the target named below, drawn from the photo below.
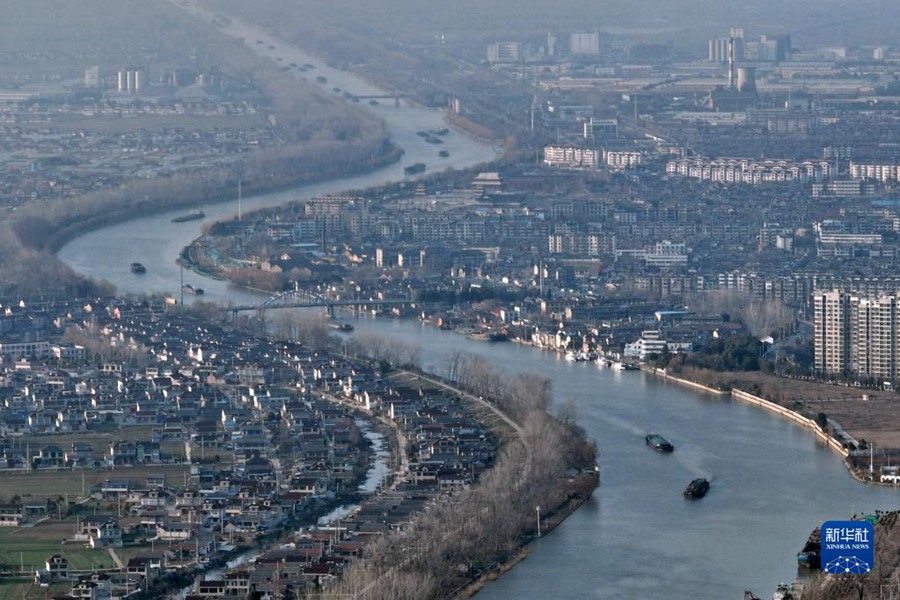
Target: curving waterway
(772, 482)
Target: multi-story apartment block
(579, 210)
(873, 337)
(666, 254)
(877, 172)
(620, 160)
(585, 43)
(571, 157)
(831, 319)
(590, 244)
(745, 170)
(504, 52)
(857, 335)
(843, 189)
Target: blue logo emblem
(848, 547)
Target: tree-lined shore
(320, 137)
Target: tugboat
(658, 443)
(696, 489)
(138, 268)
(192, 290)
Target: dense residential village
(219, 439)
(721, 213)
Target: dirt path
(115, 557)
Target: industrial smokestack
(731, 63)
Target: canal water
(772, 482)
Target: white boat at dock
(623, 366)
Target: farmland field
(32, 546)
(75, 483)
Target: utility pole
(872, 458)
(240, 198)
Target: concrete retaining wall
(763, 403)
(687, 382)
(793, 416)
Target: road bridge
(309, 299)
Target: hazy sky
(92, 26)
(828, 21)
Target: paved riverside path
(506, 418)
(443, 384)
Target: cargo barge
(658, 443)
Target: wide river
(772, 482)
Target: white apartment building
(877, 172)
(666, 254)
(620, 160)
(831, 318)
(652, 342)
(571, 157)
(745, 170)
(857, 335)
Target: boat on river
(658, 443)
(696, 489)
(191, 216)
(192, 290)
(784, 591)
(138, 268)
(414, 169)
(498, 335)
(810, 556)
(623, 366)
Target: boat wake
(694, 463)
(624, 425)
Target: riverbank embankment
(794, 416)
(112, 215)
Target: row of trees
(322, 137)
(732, 353)
(389, 352)
(464, 535)
(761, 317)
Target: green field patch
(54, 484)
(30, 547)
(26, 589)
